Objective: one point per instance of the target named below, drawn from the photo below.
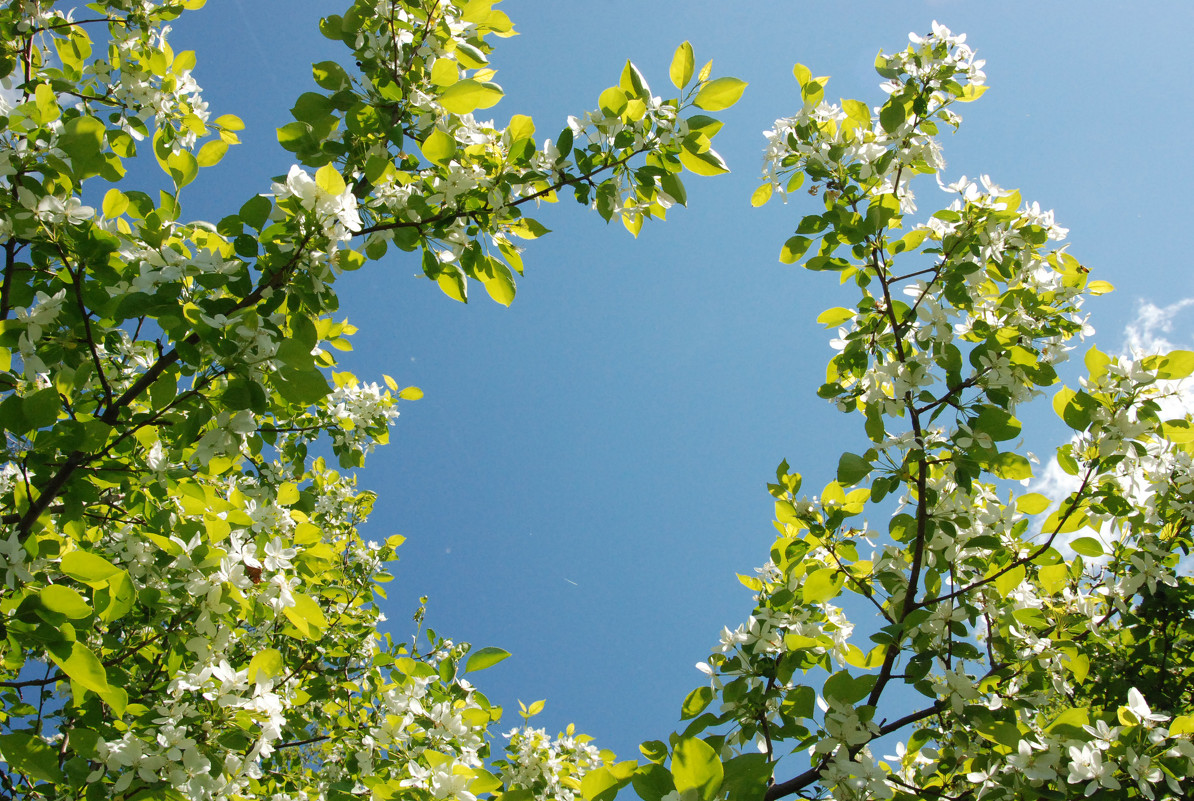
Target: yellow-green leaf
(719, 94)
(521, 127)
(115, 203)
(1087, 546)
(484, 658)
(211, 153)
(695, 767)
(761, 195)
(83, 668)
(182, 168)
(306, 616)
(452, 283)
(831, 318)
(439, 147)
(598, 785)
(46, 103)
(794, 248)
(30, 755)
(708, 163)
(612, 101)
(464, 97)
(265, 665)
(1053, 577)
(444, 72)
(1008, 581)
(328, 179)
(683, 63)
(65, 601)
(822, 585)
(88, 568)
(1033, 503)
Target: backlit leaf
(695, 767)
(683, 63)
(719, 94)
(464, 97)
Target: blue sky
(587, 471)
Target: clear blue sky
(587, 471)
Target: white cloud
(1148, 333)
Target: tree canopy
(189, 607)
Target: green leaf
(793, 249)
(654, 750)
(65, 601)
(82, 139)
(31, 756)
(653, 781)
(182, 168)
(852, 468)
(115, 599)
(696, 702)
(997, 423)
(1075, 408)
(683, 64)
(484, 658)
(464, 97)
(695, 767)
(331, 76)
(1087, 546)
(41, 408)
(83, 668)
(1011, 466)
(892, 115)
(255, 211)
(301, 386)
(719, 94)
(747, 776)
(847, 688)
(88, 568)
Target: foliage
(1026, 646)
(189, 610)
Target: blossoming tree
(189, 611)
(1009, 637)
